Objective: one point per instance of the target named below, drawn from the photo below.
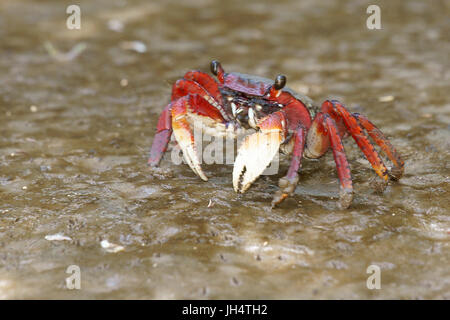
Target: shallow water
(75, 135)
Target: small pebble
(386, 98)
(45, 168)
(33, 108)
(115, 25)
(111, 247)
(57, 237)
(124, 82)
(137, 46)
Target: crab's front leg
(288, 183)
(257, 150)
(193, 83)
(185, 112)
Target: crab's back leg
(340, 114)
(324, 134)
(397, 171)
(342, 167)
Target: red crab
(283, 120)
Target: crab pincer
(257, 151)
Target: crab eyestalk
(217, 70)
(275, 89)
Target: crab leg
(184, 135)
(184, 87)
(207, 102)
(257, 150)
(333, 107)
(162, 136)
(207, 82)
(343, 169)
(180, 89)
(288, 183)
(384, 144)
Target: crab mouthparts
(244, 115)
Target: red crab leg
(288, 183)
(333, 107)
(162, 136)
(184, 136)
(184, 87)
(180, 89)
(257, 150)
(295, 111)
(343, 169)
(197, 83)
(384, 144)
(207, 82)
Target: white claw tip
(254, 155)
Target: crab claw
(258, 150)
(184, 136)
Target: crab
(282, 120)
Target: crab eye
(280, 82)
(215, 66)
